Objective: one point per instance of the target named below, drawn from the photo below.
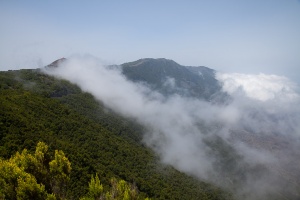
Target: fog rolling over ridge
(248, 144)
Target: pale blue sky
(246, 36)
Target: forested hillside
(35, 176)
(36, 107)
(168, 77)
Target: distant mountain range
(169, 78)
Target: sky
(251, 36)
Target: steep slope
(36, 107)
(168, 77)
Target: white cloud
(260, 87)
(179, 129)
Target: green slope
(36, 107)
(168, 77)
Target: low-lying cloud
(239, 144)
(260, 87)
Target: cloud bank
(260, 87)
(238, 146)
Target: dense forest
(36, 176)
(100, 145)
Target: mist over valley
(143, 100)
(238, 131)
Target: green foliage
(60, 169)
(28, 188)
(155, 72)
(19, 175)
(95, 188)
(36, 107)
(122, 190)
(119, 190)
(16, 179)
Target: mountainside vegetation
(39, 108)
(36, 176)
(168, 77)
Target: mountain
(56, 63)
(38, 107)
(96, 139)
(168, 78)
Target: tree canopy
(37, 107)
(32, 176)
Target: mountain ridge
(56, 63)
(169, 77)
(38, 107)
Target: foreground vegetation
(36, 176)
(36, 107)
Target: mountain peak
(152, 62)
(56, 63)
(169, 77)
